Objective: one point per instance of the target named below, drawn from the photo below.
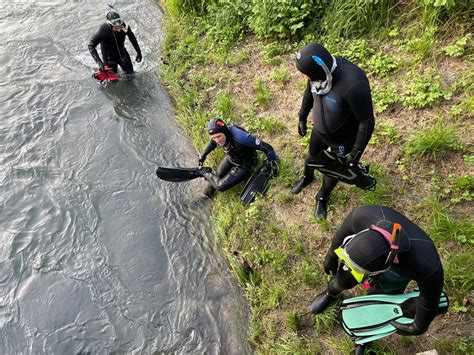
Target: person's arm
(306, 106)
(248, 140)
(359, 100)
(209, 148)
(426, 306)
(95, 40)
(134, 42)
(331, 260)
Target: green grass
(434, 141)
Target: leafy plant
(385, 96)
(423, 90)
(458, 47)
(282, 18)
(381, 64)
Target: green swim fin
(257, 184)
(367, 318)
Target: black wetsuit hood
(306, 64)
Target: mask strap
(392, 239)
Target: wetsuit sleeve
(133, 40)
(306, 104)
(428, 301)
(210, 147)
(95, 40)
(360, 101)
(346, 228)
(248, 140)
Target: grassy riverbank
(234, 59)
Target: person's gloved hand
(102, 66)
(273, 164)
(353, 157)
(330, 263)
(201, 160)
(302, 128)
(139, 58)
(408, 329)
(204, 170)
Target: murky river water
(96, 254)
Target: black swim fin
(334, 166)
(257, 184)
(180, 174)
(368, 318)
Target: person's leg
(390, 283)
(112, 63)
(224, 167)
(343, 280)
(316, 146)
(236, 175)
(126, 63)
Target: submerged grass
(274, 247)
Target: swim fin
(180, 174)
(106, 74)
(334, 166)
(257, 184)
(367, 318)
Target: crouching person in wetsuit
(111, 37)
(240, 155)
(363, 250)
(338, 92)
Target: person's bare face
(219, 138)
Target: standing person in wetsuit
(240, 155)
(338, 92)
(111, 37)
(359, 250)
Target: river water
(96, 254)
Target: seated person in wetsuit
(338, 92)
(111, 37)
(240, 155)
(360, 252)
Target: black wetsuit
(112, 47)
(418, 259)
(343, 119)
(240, 158)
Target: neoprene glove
(353, 157)
(139, 58)
(101, 65)
(330, 263)
(407, 329)
(273, 164)
(201, 160)
(302, 128)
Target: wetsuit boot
(322, 197)
(321, 208)
(325, 299)
(305, 181)
(209, 191)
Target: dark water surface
(96, 254)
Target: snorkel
(323, 87)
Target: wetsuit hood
(217, 125)
(114, 19)
(306, 64)
(369, 250)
